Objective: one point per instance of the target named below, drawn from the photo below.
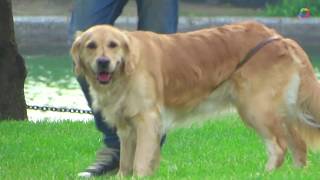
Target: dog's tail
(308, 102)
(309, 114)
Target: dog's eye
(92, 45)
(112, 44)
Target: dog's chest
(110, 104)
(119, 103)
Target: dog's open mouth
(104, 77)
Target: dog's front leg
(127, 138)
(147, 155)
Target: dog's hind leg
(268, 124)
(276, 148)
(297, 145)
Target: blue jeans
(154, 15)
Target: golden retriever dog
(146, 83)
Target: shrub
(250, 3)
(292, 7)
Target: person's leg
(87, 13)
(84, 15)
(110, 137)
(108, 157)
(158, 16)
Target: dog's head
(101, 53)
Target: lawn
(221, 149)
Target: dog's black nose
(103, 62)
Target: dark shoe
(107, 161)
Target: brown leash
(254, 50)
(251, 53)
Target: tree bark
(12, 69)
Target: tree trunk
(12, 69)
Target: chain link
(59, 109)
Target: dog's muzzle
(103, 74)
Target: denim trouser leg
(154, 15)
(159, 16)
(110, 136)
(87, 13)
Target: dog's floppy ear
(130, 58)
(75, 53)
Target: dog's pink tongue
(104, 77)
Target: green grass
(217, 150)
(45, 150)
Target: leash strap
(254, 50)
(250, 54)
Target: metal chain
(59, 109)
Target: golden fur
(160, 81)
